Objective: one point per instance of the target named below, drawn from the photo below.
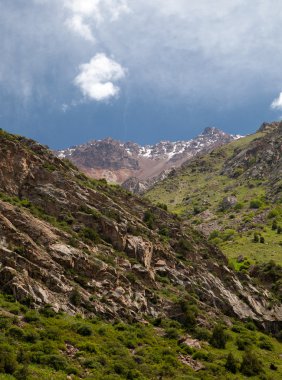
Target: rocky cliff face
(261, 159)
(82, 245)
(139, 167)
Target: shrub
(162, 205)
(8, 362)
(84, 330)
(251, 365)
(256, 237)
(149, 219)
(237, 172)
(22, 373)
(190, 319)
(231, 363)
(216, 241)
(70, 370)
(90, 363)
(20, 250)
(47, 311)
(185, 245)
(265, 344)
(56, 361)
(164, 231)
(255, 203)
(228, 234)
(274, 225)
(89, 234)
(202, 333)
(243, 342)
(16, 332)
(134, 375)
(238, 206)
(120, 368)
(75, 297)
(219, 337)
(190, 312)
(31, 316)
(201, 355)
(23, 356)
(187, 350)
(236, 328)
(198, 209)
(88, 347)
(245, 265)
(250, 325)
(102, 331)
(172, 333)
(214, 234)
(52, 333)
(273, 367)
(31, 336)
(273, 214)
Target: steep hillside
(47, 345)
(139, 167)
(64, 234)
(233, 195)
(72, 245)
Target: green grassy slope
(43, 344)
(200, 186)
(38, 343)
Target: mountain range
(63, 232)
(139, 167)
(97, 283)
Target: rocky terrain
(99, 284)
(139, 167)
(80, 244)
(233, 196)
(260, 160)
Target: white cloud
(277, 103)
(84, 8)
(204, 51)
(85, 13)
(77, 25)
(96, 78)
(117, 8)
(98, 9)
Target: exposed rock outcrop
(81, 245)
(137, 167)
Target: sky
(138, 70)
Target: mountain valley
(97, 283)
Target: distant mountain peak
(212, 131)
(269, 126)
(118, 161)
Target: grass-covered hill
(234, 196)
(43, 344)
(99, 284)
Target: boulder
(228, 202)
(140, 249)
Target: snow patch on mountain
(163, 149)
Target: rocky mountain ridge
(261, 159)
(138, 167)
(81, 245)
(233, 195)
